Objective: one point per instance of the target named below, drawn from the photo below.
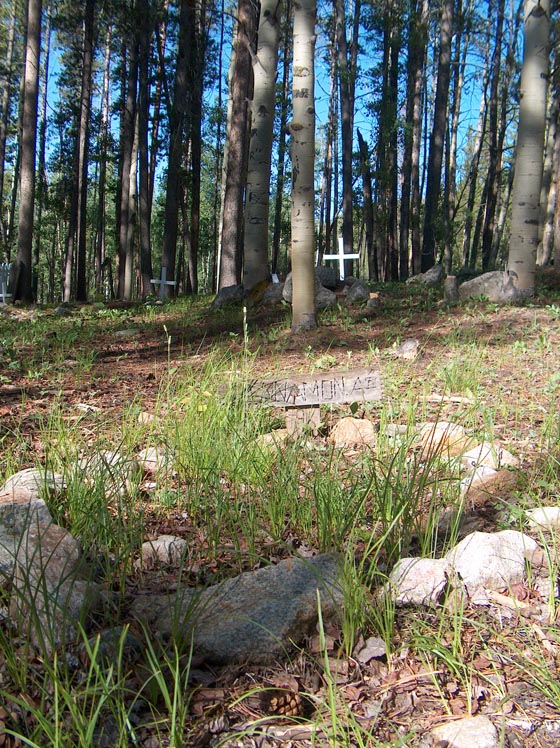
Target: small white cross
(163, 283)
(340, 257)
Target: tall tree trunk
(21, 271)
(197, 50)
(256, 243)
(235, 159)
(368, 208)
(41, 170)
(102, 182)
(280, 177)
(161, 33)
(6, 85)
(530, 145)
(145, 30)
(83, 151)
(303, 167)
(409, 239)
(494, 155)
(435, 158)
(126, 216)
(177, 116)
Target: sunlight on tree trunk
(530, 146)
(255, 256)
(302, 129)
(22, 268)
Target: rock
(486, 484)
(407, 350)
(324, 298)
(131, 332)
(372, 649)
(418, 581)
(495, 561)
(256, 617)
(468, 732)
(273, 439)
(544, 518)
(327, 276)
(350, 431)
(50, 592)
(490, 454)
(451, 289)
(357, 293)
(497, 286)
(444, 439)
(226, 296)
(112, 644)
(374, 301)
(165, 549)
(273, 293)
(38, 481)
(18, 509)
(115, 469)
(431, 278)
(152, 460)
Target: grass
(239, 502)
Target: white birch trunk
(530, 146)
(303, 167)
(255, 256)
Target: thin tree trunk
(303, 162)
(145, 29)
(433, 186)
(280, 178)
(530, 145)
(256, 241)
(21, 271)
(6, 85)
(102, 191)
(176, 129)
(161, 33)
(368, 209)
(42, 176)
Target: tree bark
(21, 271)
(177, 117)
(303, 162)
(435, 158)
(6, 85)
(256, 241)
(530, 145)
(144, 203)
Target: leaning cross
(340, 257)
(163, 283)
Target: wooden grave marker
(302, 395)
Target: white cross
(163, 283)
(340, 257)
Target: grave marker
(340, 257)
(162, 283)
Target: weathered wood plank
(318, 388)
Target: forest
(146, 134)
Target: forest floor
(98, 361)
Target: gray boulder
(431, 278)
(357, 293)
(327, 276)
(498, 287)
(256, 617)
(226, 296)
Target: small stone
(443, 438)
(407, 350)
(353, 431)
(373, 649)
(545, 517)
(274, 438)
(357, 293)
(490, 454)
(152, 459)
(469, 732)
(495, 561)
(165, 549)
(39, 481)
(417, 581)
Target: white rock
(489, 454)
(469, 732)
(165, 549)
(443, 437)
(349, 431)
(417, 581)
(491, 560)
(545, 517)
(38, 481)
(476, 478)
(152, 459)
